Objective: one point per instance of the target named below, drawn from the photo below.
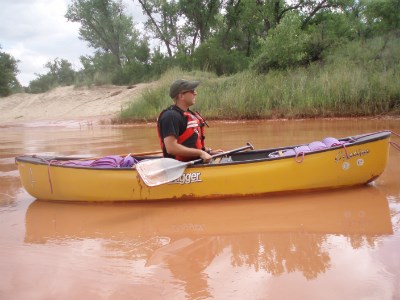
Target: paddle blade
(159, 171)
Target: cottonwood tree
(200, 19)
(163, 17)
(104, 25)
(122, 55)
(181, 25)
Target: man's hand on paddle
(213, 152)
(205, 156)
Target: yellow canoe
(352, 161)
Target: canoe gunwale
(351, 141)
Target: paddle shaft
(248, 145)
(183, 165)
(153, 172)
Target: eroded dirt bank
(69, 103)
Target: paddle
(162, 170)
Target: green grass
(361, 79)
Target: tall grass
(154, 100)
(361, 79)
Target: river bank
(103, 105)
(65, 104)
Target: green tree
(245, 22)
(137, 67)
(98, 69)
(209, 56)
(163, 17)
(284, 47)
(60, 74)
(8, 74)
(61, 70)
(104, 25)
(122, 55)
(183, 24)
(42, 83)
(383, 16)
(201, 18)
(327, 31)
(160, 63)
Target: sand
(94, 104)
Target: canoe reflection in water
(281, 234)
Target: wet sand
(339, 244)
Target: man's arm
(173, 148)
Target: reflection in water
(9, 188)
(280, 234)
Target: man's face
(188, 97)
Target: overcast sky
(36, 31)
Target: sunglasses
(191, 91)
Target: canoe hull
(355, 164)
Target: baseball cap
(182, 85)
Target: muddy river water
(341, 244)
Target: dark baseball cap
(181, 85)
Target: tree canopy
(221, 36)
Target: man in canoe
(181, 131)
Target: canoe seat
(219, 160)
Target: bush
(284, 47)
(355, 80)
(42, 84)
(210, 57)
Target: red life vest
(195, 126)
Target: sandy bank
(69, 103)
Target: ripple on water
(13, 173)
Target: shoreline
(100, 121)
(97, 106)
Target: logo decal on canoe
(188, 178)
(358, 153)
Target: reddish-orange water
(341, 244)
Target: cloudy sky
(36, 31)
